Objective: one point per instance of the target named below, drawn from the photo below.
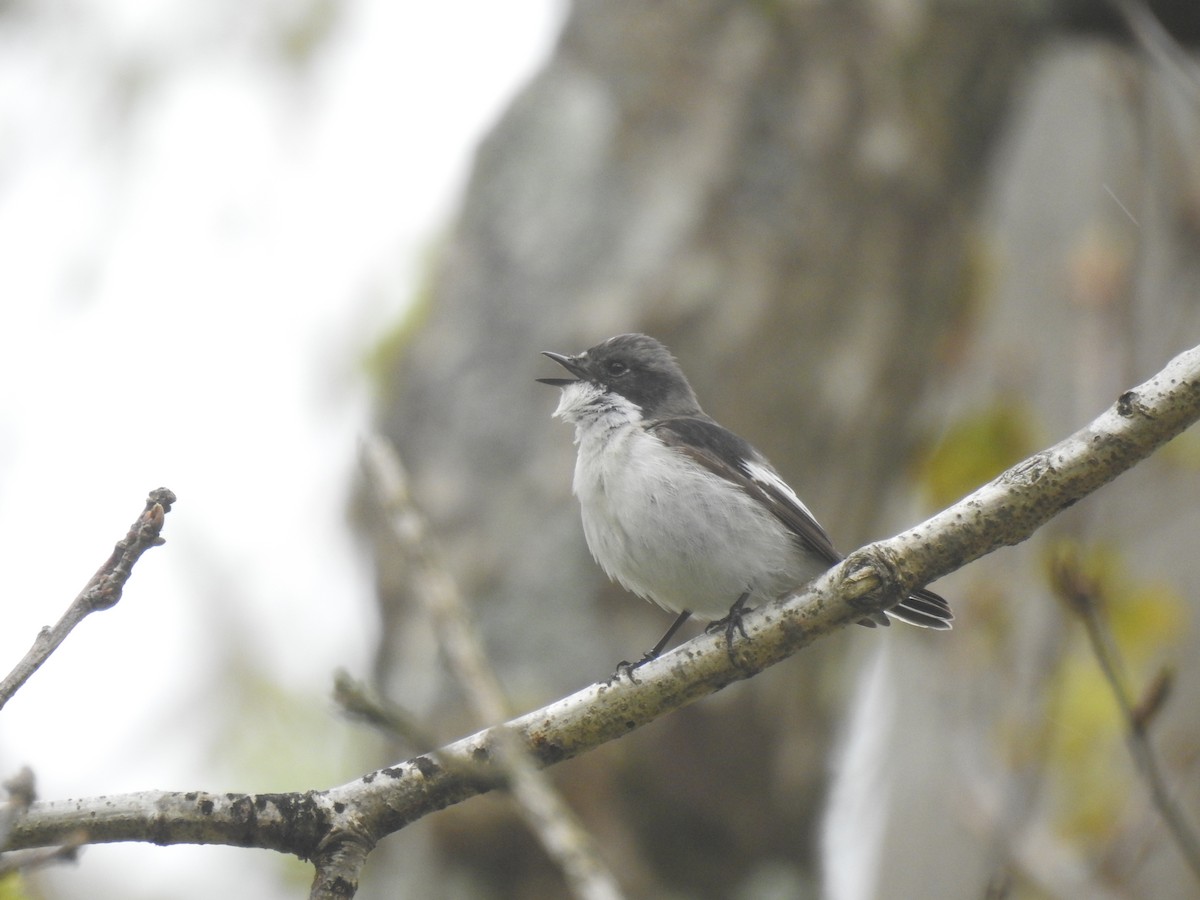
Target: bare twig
(1083, 595)
(434, 585)
(24, 860)
(22, 792)
(1038, 855)
(560, 832)
(1004, 512)
(1160, 45)
(360, 702)
(21, 788)
(1153, 699)
(101, 592)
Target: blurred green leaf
(12, 887)
(976, 449)
(1183, 451)
(1090, 770)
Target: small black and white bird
(682, 511)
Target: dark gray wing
(725, 454)
(734, 459)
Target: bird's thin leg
(662, 642)
(626, 667)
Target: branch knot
(874, 579)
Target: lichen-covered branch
(1005, 511)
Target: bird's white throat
(586, 406)
(575, 399)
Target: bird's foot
(730, 624)
(626, 668)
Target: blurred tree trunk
(788, 194)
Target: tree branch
(547, 815)
(101, 592)
(1160, 45)
(1004, 512)
(21, 793)
(1010, 508)
(1084, 596)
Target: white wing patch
(765, 475)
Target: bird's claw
(730, 624)
(626, 668)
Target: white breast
(673, 532)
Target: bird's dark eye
(615, 368)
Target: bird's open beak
(570, 364)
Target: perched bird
(680, 510)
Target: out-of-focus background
(897, 244)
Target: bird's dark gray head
(637, 367)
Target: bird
(680, 510)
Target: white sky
(196, 247)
